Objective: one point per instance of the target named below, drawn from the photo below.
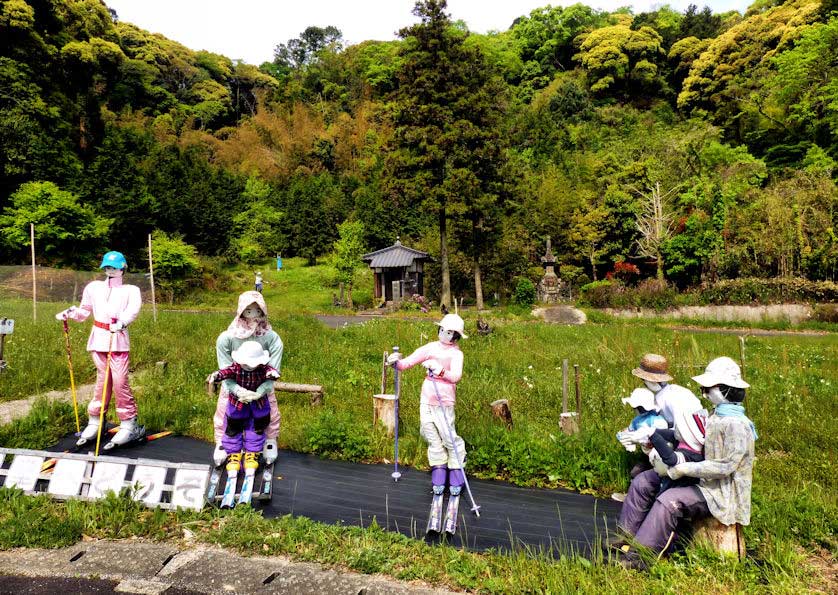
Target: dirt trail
(11, 410)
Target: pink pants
(126, 406)
(219, 420)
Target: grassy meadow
(792, 401)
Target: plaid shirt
(248, 379)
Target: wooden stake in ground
(578, 393)
(564, 386)
(742, 355)
(34, 285)
(151, 278)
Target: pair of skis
(229, 497)
(435, 520)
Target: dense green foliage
(472, 147)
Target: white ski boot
(90, 431)
(128, 432)
(219, 455)
(269, 451)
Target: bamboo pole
(742, 354)
(34, 284)
(151, 277)
(564, 386)
(578, 392)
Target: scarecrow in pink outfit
(114, 306)
(444, 362)
(250, 324)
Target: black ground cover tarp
(333, 492)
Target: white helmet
(250, 353)
(722, 370)
(642, 397)
(452, 322)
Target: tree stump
(727, 539)
(384, 412)
(570, 422)
(500, 409)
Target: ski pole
(396, 388)
(103, 406)
(474, 507)
(72, 378)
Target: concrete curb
(152, 568)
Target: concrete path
(11, 410)
(136, 566)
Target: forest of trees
(694, 146)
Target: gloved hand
(272, 374)
(212, 378)
(676, 472)
(65, 314)
(627, 441)
(658, 465)
(117, 326)
(434, 367)
(245, 396)
(393, 358)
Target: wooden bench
(314, 391)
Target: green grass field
(792, 402)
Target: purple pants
(246, 424)
(653, 518)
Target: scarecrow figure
(114, 306)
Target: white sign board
(67, 477)
(190, 485)
(24, 472)
(150, 480)
(107, 477)
(7, 325)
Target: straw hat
(653, 367)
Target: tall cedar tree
(446, 140)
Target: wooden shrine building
(398, 271)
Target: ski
(215, 478)
(246, 494)
(435, 518)
(229, 498)
(451, 514)
(139, 440)
(267, 483)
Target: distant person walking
(258, 281)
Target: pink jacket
(108, 301)
(450, 358)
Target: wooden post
(384, 373)
(578, 393)
(34, 285)
(151, 278)
(384, 412)
(564, 386)
(727, 539)
(500, 409)
(742, 355)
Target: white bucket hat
(722, 370)
(251, 354)
(453, 322)
(642, 397)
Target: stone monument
(550, 286)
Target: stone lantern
(550, 286)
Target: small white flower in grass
(529, 367)
(598, 371)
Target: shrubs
(660, 295)
(524, 292)
(336, 436)
(649, 293)
(768, 291)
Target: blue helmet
(115, 260)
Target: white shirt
(673, 397)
